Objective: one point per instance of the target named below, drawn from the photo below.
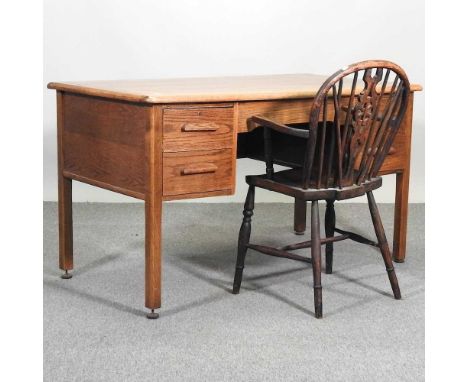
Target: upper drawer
(203, 128)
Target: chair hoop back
(353, 122)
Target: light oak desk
(160, 140)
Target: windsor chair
(353, 121)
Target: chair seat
(289, 182)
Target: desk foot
(398, 260)
(66, 275)
(153, 315)
(299, 233)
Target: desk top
(208, 89)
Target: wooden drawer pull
(199, 127)
(202, 169)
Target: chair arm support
(265, 122)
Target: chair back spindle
(353, 122)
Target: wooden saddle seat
(288, 182)
(342, 150)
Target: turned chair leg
(383, 244)
(316, 258)
(329, 232)
(244, 237)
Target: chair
(353, 121)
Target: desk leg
(65, 225)
(300, 216)
(153, 212)
(400, 216)
(65, 218)
(153, 256)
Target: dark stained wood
(396, 162)
(343, 157)
(329, 232)
(276, 252)
(356, 237)
(244, 238)
(300, 216)
(65, 212)
(316, 256)
(383, 245)
(268, 153)
(308, 243)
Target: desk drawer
(201, 128)
(196, 172)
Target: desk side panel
(104, 143)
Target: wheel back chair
(353, 121)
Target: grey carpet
(95, 328)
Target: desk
(159, 140)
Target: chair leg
(316, 258)
(244, 237)
(329, 232)
(383, 244)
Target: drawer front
(197, 172)
(204, 128)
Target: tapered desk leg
(400, 216)
(300, 216)
(65, 225)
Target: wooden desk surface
(208, 89)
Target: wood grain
(175, 164)
(153, 208)
(283, 111)
(197, 195)
(65, 213)
(198, 129)
(208, 89)
(402, 190)
(103, 142)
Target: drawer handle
(199, 127)
(203, 169)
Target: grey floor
(95, 328)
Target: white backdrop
(118, 39)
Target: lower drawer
(197, 172)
